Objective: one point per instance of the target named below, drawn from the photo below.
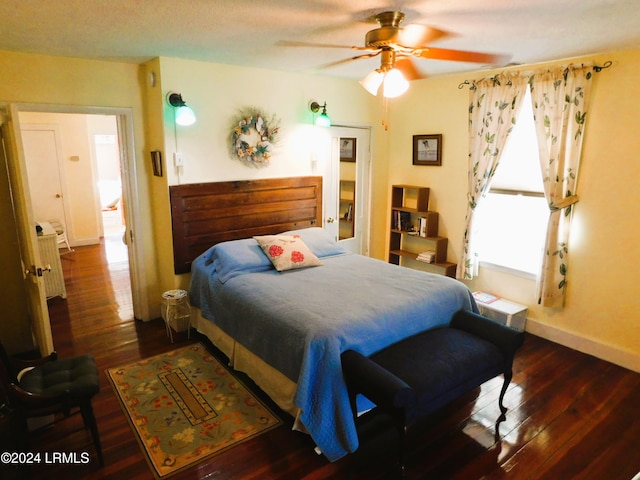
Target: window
(512, 219)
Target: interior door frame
(130, 193)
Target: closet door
(43, 157)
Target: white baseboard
(83, 242)
(626, 359)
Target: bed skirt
(275, 384)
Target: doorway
(74, 170)
(130, 201)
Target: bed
(287, 329)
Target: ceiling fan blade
(347, 60)
(414, 35)
(461, 56)
(408, 69)
(287, 43)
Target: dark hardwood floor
(570, 415)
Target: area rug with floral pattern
(185, 406)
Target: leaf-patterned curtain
(560, 100)
(494, 107)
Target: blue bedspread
(301, 321)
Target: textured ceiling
(251, 32)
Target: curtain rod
(596, 68)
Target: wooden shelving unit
(414, 229)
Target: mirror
(347, 188)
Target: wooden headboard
(204, 214)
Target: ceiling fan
(397, 47)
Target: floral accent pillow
(287, 252)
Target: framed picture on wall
(347, 149)
(156, 162)
(427, 149)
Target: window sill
(508, 270)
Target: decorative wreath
(253, 137)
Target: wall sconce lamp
(323, 119)
(184, 115)
(392, 80)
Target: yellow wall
(217, 93)
(53, 82)
(602, 311)
(601, 315)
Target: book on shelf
(405, 222)
(423, 227)
(348, 215)
(484, 297)
(402, 221)
(396, 220)
(428, 257)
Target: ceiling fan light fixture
(394, 84)
(372, 82)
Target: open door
(347, 205)
(34, 270)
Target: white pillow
(287, 252)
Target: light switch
(178, 159)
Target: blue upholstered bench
(416, 376)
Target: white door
(347, 206)
(34, 283)
(42, 151)
(132, 217)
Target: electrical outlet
(178, 159)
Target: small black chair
(49, 386)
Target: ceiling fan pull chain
(385, 113)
